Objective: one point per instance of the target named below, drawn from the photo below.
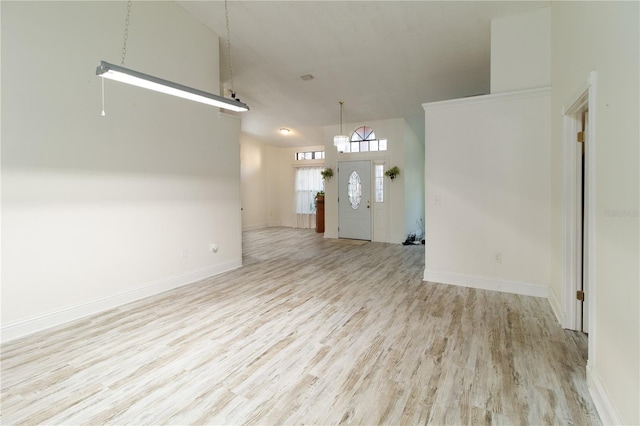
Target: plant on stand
(326, 174)
(319, 196)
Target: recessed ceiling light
(306, 77)
(285, 131)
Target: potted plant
(327, 174)
(392, 172)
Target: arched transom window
(363, 139)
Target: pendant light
(135, 78)
(341, 141)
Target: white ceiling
(383, 58)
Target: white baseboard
(608, 413)
(16, 329)
(254, 227)
(484, 283)
(556, 307)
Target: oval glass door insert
(354, 189)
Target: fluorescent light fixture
(125, 75)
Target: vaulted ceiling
(384, 59)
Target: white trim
(23, 327)
(487, 283)
(556, 307)
(254, 227)
(583, 98)
(607, 411)
(482, 99)
(576, 98)
(301, 164)
(228, 116)
(571, 247)
(590, 203)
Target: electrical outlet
(184, 253)
(214, 248)
(437, 200)
(497, 257)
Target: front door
(354, 200)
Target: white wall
(488, 162)
(98, 211)
(394, 131)
(279, 183)
(414, 182)
(285, 162)
(254, 184)
(279, 166)
(268, 174)
(395, 189)
(270, 170)
(605, 37)
(521, 51)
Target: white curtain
(308, 183)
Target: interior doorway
(354, 200)
(582, 310)
(578, 209)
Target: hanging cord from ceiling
(125, 36)
(226, 15)
(135, 78)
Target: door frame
(584, 100)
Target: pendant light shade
(341, 141)
(135, 78)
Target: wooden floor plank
(308, 331)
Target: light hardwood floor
(309, 331)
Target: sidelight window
(379, 182)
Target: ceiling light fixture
(285, 131)
(136, 78)
(341, 141)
